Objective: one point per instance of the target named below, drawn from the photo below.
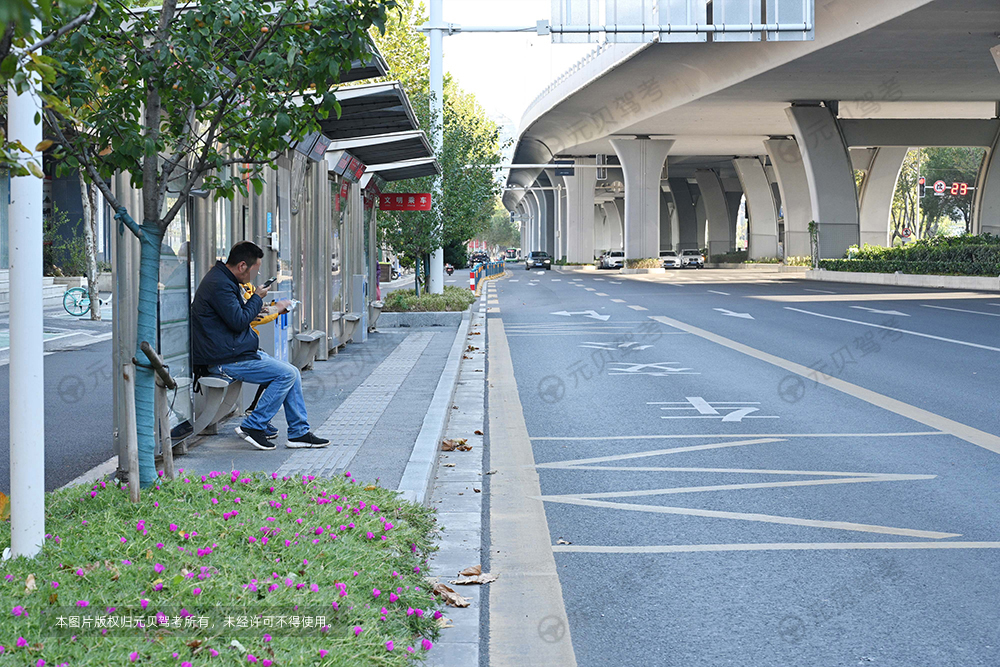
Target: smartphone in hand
(269, 281)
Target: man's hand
(261, 291)
(283, 305)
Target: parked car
(669, 259)
(692, 258)
(538, 259)
(613, 260)
(479, 257)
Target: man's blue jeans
(284, 387)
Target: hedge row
(965, 255)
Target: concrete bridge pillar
(830, 176)
(559, 214)
(790, 172)
(763, 225)
(642, 164)
(600, 230)
(686, 214)
(877, 192)
(580, 213)
(614, 212)
(713, 194)
(532, 206)
(986, 212)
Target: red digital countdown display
(956, 189)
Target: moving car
(479, 257)
(613, 260)
(669, 259)
(693, 258)
(538, 259)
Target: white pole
(437, 118)
(27, 386)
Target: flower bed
(223, 569)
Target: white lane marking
(717, 292)
(879, 312)
(819, 291)
(557, 280)
(450, 281)
(912, 333)
(595, 333)
(638, 308)
(575, 279)
(745, 316)
(685, 436)
(515, 280)
(590, 289)
(618, 300)
(774, 546)
(598, 278)
(963, 310)
(599, 294)
(618, 282)
(744, 516)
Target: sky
(505, 71)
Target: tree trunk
(145, 413)
(416, 276)
(88, 195)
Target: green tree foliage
(208, 94)
(951, 165)
(501, 231)
(470, 145)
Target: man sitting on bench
(223, 341)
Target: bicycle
(76, 301)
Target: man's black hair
(244, 251)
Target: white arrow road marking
(722, 293)
(880, 312)
(746, 316)
(589, 313)
(611, 346)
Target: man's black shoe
(307, 440)
(256, 437)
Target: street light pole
(27, 387)
(437, 131)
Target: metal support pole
(27, 378)
(437, 130)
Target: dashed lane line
(961, 310)
(638, 308)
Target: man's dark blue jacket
(220, 320)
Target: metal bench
(308, 348)
(373, 312)
(221, 399)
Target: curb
(983, 283)
(419, 471)
(420, 319)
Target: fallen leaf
(453, 444)
(465, 356)
(53, 598)
(149, 554)
(449, 596)
(370, 487)
(479, 579)
(471, 348)
(492, 472)
(477, 490)
(29, 584)
(478, 432)
(471, 571)
(4, 507)
(562, 541)
(238, 646)
(476, 333)
(449, 465)
(444, 622)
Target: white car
(692, 258)
(613, 260)
(669, 259)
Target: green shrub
(735, 257)
(643, 263)
(64, 252)
(764, 260)
(406, 301)
(798, 261)
(217, 546)
(965, 255)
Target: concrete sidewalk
(369, 400)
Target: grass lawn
(223, 569)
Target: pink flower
(355, 573)
(357, 631)
(323, 652)
(143, 603)
(389, 645)
(437, 615)
(393, 597)
(158, 568)
(214, 653)
(267, 663)
(55, 584)
(196, 591)
(158, 587)
(18, 611)
(21, 642)
(251, 658)
(267, 638)
(133, 656)
(172, 527)
(426, 644)
(314, 588)
(376, 592)
(82, 603)
(79, 572)
(159, 545)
